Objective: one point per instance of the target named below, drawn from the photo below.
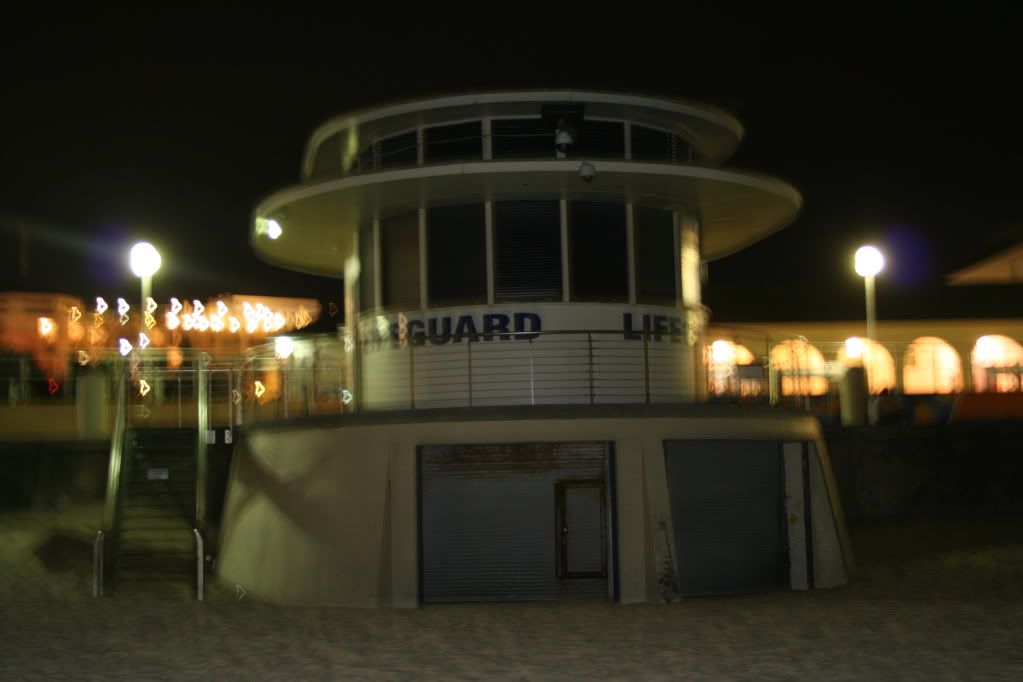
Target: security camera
(563, 137)
(587, 171)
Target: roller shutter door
(727, 513)
(513, 522)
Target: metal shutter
(488, 520)
(726, 509)
(527, 251)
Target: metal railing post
(589, 357)
(412, 375)
(646, 363)
(468, 357)
(97, 565)
(532, 387)
(199, 565)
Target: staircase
(156, 511)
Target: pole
(868, 287)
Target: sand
(935, 601)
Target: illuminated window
(724, 358)
(997, 364)
(874, 358)
(932, 366)
(801, 367)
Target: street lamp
(869, 262)
(145, 261)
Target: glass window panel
(399, 238)
(527, 251)
(456, 255)
(598, 264)
(655, 254)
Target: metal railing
(200, 562)
(97, 565)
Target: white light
(172, 320)
(145, 259)
(233, 324)
(176, 306)
(221, 308)
(150, 305)
(143, 341)
(101, 305)
(124, 346)
(122, 307)
(869, 261)
(855, 347)
(46, 326)
(346, 396)
(722, 352)
(273, 229)
(283, 347)
(197, 308)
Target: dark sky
(901, 126)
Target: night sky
(901, 127)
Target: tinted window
(653, 145)
(600, 139)
(527, 251)
(399, 239)
(653, 235)
(598, 263)
(456, 255)
(399, 150)
(529, 138)
(458, 142)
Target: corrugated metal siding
(726, 509)
(489, 527)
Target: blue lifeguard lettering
(520, 325)
(466, 328)
(629, 334)
(495, 322)
(440, 338)
(660, 326)
(675, 325)
(417, 330)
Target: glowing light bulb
(124, 346)
(150, 305)
(197, 307)
(101, 305)
(176, 306)
(273, 229)
(233, 324)
(74, 314)
(172, 320)
(260, 389)
(143, 387)
(868, 261)
(202, 323)
(46, 326)
(283, 347)
(217, 323)
(143, 341)
(122, 307)
(855, 347)
(221, 309)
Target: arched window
(723, 376)
(874, 358)
(801, 367)
(997, 364)
(931, 366)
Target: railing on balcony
(321, 377)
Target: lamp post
(145, 261)
(868, 263)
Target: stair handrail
(97, 565)
(116, 454)
(199, 564)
